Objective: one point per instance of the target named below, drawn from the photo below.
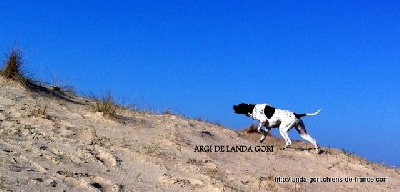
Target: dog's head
(243, 108)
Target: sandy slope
(56, 143)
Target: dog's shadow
(309, 149)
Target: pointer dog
(271, 118)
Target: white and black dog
(270, 118)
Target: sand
(53, 141)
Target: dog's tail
(306, 114)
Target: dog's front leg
(263, 132)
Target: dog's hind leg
(311, 140)
(303, 133)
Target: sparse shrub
(12, 69)
(170, 111)
(106, 105)
(198, 119)
(64, 90)
(167, 112)
(206, 120)
(217, 123)
(251, 129)
(58, 88)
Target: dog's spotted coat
(270, 118)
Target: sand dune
(50, 141)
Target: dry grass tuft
(106, 105)
(251, 129)
(12, 69)
(168, 112)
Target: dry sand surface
(51, 141)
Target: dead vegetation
(106, 105)
(13, 67)
(251, 129)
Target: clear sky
(198, 58)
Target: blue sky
(198, 58)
